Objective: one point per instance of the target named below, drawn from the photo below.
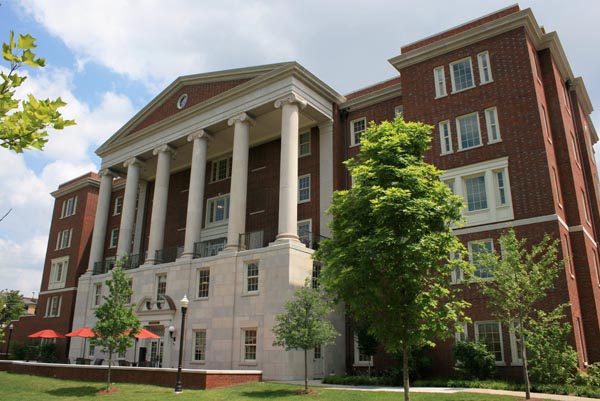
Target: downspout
(344, 118)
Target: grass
(15, 387)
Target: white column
(102, 211)
(159, 202)
(195, 205)
(288, 171)
(239, 179)
(128, 214)
(325, 176)
(139, 218)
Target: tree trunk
(305, 370)
(525, 368)
(109, 366)
(405, 373)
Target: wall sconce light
(172, 332)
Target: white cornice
(373, 97)
(76, 186)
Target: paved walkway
(449, 390)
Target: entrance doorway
(156, 346)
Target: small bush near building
(474, 360)
(33, 352)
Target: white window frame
(91, 350)
(69, 207)
(492, 125)
(97, 295)
(307, 239)
(399, 111)
(461, 336)
(114, 238)
(118, 206)
(358, 361)
(500, 189)
(354, 141)
(214, 169)
(248, 277)
(157, 284)
(445, 137)
(63, 240)
(483, 242)
(453, 79)
(58, 273)
(439, 81)
(459, 131)
(483, 58)
(586, 214)
(52, 303)
(476, 325)
(514, 350)
(466, 192)
(247, 345)
(203, 286)
(212, 215)
(201, 345)
(306, 143)
(303, 190)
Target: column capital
(164, 148)
(327, 125)
(107, 172)
(134, 161)
(241, 118)
(200, 134)
(292, 98)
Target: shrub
(47, 353)
(474, 360)
(23, 351)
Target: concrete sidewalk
(448, 390)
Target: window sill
(222, 179)
(249, 363)
(201, 299)
(493, 142)
(251, 294)
(454, 92)
(500, 363)
(446, 153)
(353, 145)
(440, 97)
(304, 155)
(473, 212)
(198, 363)
(469, 148)
(303, 201)
(486, 83)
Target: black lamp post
(10, 329)
(184, 305)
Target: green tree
(12, 307)
(367, 343)
(304, 325)
(116, 321)
(389, 258)
(521, 277)
(24, 123)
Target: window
(545, 124)
(118, 206)
(91, 350)
(596, 269)
(445, 137)
(461, 75)
(575, 149)
(130, 285)
(53, 306)
(58, 273)
(64, 239)
(203, 283)
(585, 209)
(568, 259)
(221, 169)
(399, 111)
(359, 357)
(439, 78)
(217, 210)
(450, 185)
(114, 238)
(456, 276)
(500, 188)
(485, 71)
(304, 188)
(490, 334)
(161, 285)
(251, 278)
(304, 232)
(357, 127)
(516, 352)
(200, 346)
(468, 131)
(318, 354)
(476, 194)
(461, 335)
(555, 179)
(581, 340)
(249, 345)
(316, 275)
(304, 144)
(476, 250)
(491, 122)
(69, 207)
(97, 294)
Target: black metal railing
(132, 262)
(252, 240)
(100, 268)
(167, 255)
(311, 240)
(207, 248)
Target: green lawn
(14, 387)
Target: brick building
(226, 177)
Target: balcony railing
(100, 267)
(168, 255)
(311, 240)
(132, 262)
(204, 249)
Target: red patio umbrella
(48, 333)
(84, 332)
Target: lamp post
(10, 329)
(184, 305)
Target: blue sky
(109, 58)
